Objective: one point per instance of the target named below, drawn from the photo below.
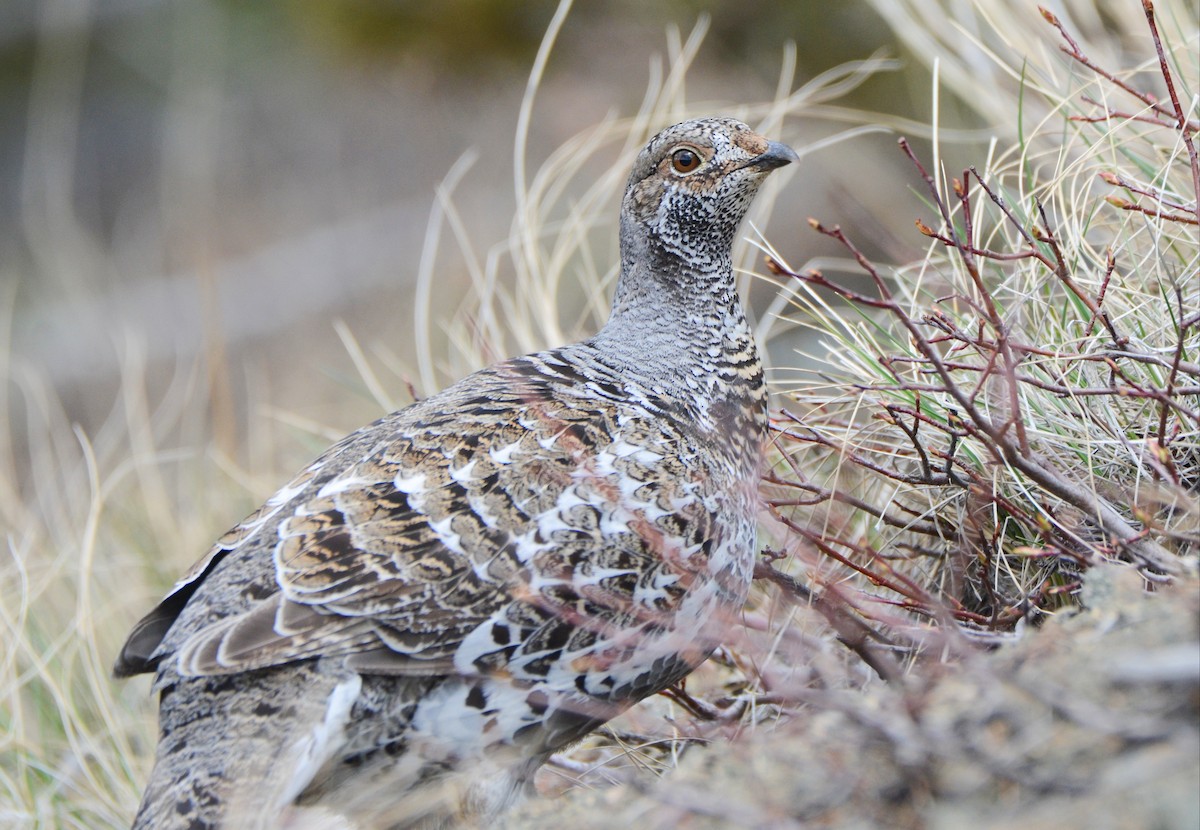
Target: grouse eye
(685, 160)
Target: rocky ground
(1088, 721)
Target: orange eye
(685, 160)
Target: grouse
(407, 630)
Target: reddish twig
(1073, 51)
(852, 631)
(1186, 128)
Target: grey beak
(777, 155)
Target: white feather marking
(323, 741)
(343, 483)
(446, 535)
(464, 473)
(410, 484)
(286, 494)
(504, 455)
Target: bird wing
(457, 541)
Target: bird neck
(678, 330)
(663, 281)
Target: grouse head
(690, 188)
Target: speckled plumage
(409, 628)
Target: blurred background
(191, 193)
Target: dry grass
(916, 518)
